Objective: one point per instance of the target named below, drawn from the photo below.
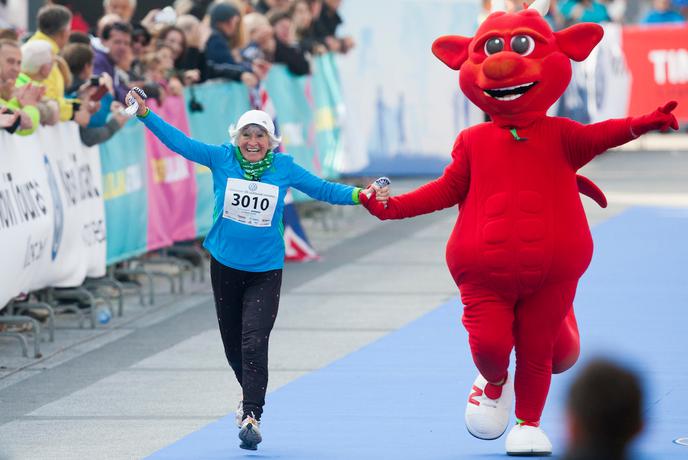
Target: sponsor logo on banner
(58, 210)
(670, 66)
(79, 185)
(170, 169)
(20, 202)
(93, 232)
(77, 180)
(34, 251)
(122, 182)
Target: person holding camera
(246, 243)
(115, 60)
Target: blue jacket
(662, 17)
(234, 244)
(219, 59)
(595, 12)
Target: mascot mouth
(510, 92)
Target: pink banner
(172, 182)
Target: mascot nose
(502, 66)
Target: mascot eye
(522, 44)
(494, 45)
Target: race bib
(250, 203)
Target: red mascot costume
(521, 241)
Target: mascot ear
(578, 41)
(452, 50)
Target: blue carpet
(403, 396)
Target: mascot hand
(661, 119)
(370, 202)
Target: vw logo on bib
(253, 186)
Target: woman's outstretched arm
(174, 139)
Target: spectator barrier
(52, 222)
(59, 199)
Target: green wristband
(354, 195)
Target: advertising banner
(123, 163)
(52, 222)
(657, 58)
(171, 181)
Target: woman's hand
(139, 100)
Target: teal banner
(294, 115)
(222, 104)
(328, 112)
(309, 112)
(123, 163)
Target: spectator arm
(91, 136)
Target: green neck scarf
(253, 171)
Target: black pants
(246, 305)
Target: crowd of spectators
(70, 70)
(564, 13)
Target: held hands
(661, 119)
(375, 197)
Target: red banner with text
(657, 59)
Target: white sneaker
(250, 433)
(526, 440)
(488, 418)
(239, 414)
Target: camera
(100, 92)
(95, 81)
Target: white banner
(52, 219)
(600, 86)
(404, 107)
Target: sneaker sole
(249, 438)
(487, 439)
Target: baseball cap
(222, 12)
(255, 117)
